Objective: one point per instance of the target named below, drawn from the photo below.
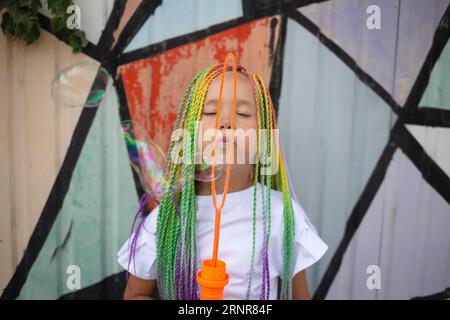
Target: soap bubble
(203, 172)
(82, 84)
(146, 158)
(148, 162)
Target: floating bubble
(203, 172)
(148, 161)
(146, 157)
(82, 84)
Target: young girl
(266, 239)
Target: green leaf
(74, 40)
(53, 5)
(58, 7)
(84, 40)
(57, 24)
(11, 5)
(8, 24)
(33, 34)
(77, 40)
(22, 21)
(35, 7)
(26, 3)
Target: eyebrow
(238, 101)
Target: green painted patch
(96, 216)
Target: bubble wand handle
(213, 278)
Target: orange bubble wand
(213, 278)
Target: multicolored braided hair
(177, 257)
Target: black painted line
(346, 59)
(431, 171)
(426, 116)
(423, 116)
(52, 206)
(137, 20)
(160, 47)
(277, 65)
(90, 50)
(107, 38)
(443, 295)
(62, 182)
(440, 39)
(250, 13)
(359, 210)
(249, 9)
(124, 114)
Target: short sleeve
(144, 263)
(308, 246)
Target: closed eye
(239, 113)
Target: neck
(241, 177)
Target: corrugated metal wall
(363, 116)
(35, 135)
(337, 124)
(34, 139)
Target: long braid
(288, 215)
(268, 178)
(189, 236)
(265, 189)
(182, 112)
(186, 197)
(255, 185)
(166, 210)
(176, 236)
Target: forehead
(243, 87)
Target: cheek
(206, 125)
(249, 125)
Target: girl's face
(244, 145)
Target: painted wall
(363, 114)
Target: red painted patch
(155, 86)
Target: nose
(224, 126)
(225, 120)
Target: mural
(364, 117)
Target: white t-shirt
(235, 243)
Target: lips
(226, 140)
